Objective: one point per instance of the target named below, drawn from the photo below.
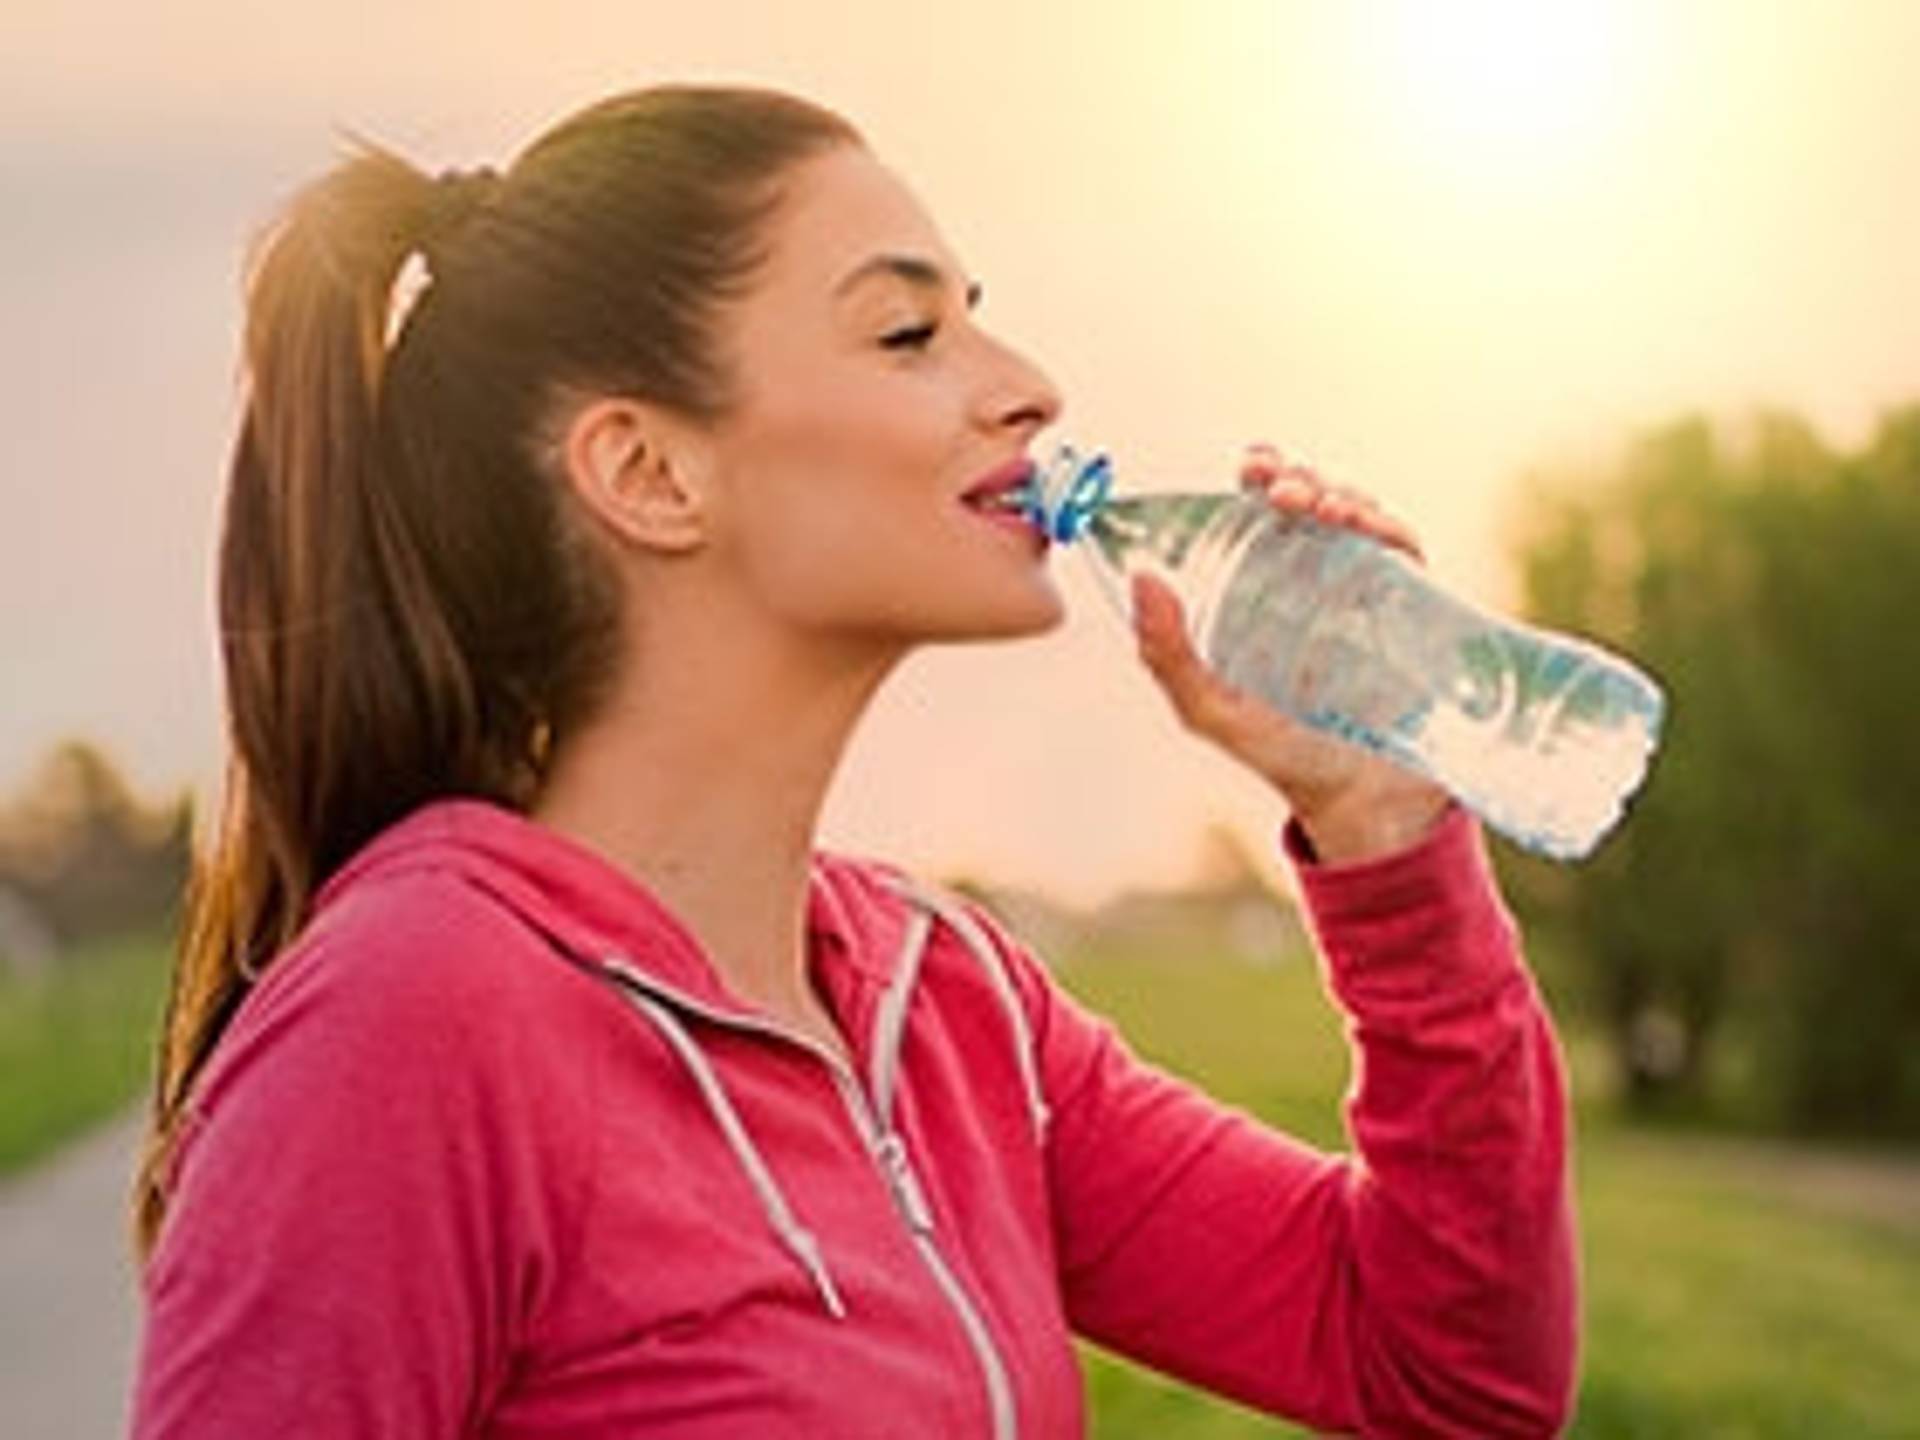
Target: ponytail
(410, 606)
(337, 713)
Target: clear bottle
(1542, 735)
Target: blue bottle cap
(1063, 498)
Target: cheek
(841, 477)
(835, 462)
(813, 549)
(844, 556)
(805, 534)
(827, 407)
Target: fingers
(1161, 634)
(1204, 703)
(1295, 486)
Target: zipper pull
(891, 1151)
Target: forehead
(839, 209)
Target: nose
(1018, 393)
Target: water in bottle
(1543, 735)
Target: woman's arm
(1424, 1285)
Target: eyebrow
(915, 270)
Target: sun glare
(1496, 86)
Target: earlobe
(635, 474)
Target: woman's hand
(1351, 803)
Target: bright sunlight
(1497, 89)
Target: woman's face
(870, 403)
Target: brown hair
(410, 605)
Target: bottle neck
(1183, 539)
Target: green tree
(1761, 884)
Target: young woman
(530, 1071)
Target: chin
(1037, 614)
(954, 615)
(1048, 618)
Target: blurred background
(1617, 302)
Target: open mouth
(1010, 501)
(1006, 490)
(1003, 498)
(1006, 509)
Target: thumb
(1159, 620)
(1160, 633)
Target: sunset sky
(1430, 245)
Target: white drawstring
(989, 961)
(890, 1019)
(884, 1066)
(799, 1240)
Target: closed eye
(911, 339)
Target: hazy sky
(1430, 245)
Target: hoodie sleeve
(375, 1195)
(1422, 1285)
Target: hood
(594, 911)
(868, 927)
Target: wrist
(1367, 823)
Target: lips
(1000, 499)
(1002, 488)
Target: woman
(562, 1086)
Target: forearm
(1462, 1238)
(1421, 1286)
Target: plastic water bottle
(1542, 735)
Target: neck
(706, 785)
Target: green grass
(1716, 1308)
(76, 1042)
(1715, 1305)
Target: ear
(638, 472)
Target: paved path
(69, 1316)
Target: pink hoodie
(490, 1151)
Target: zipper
(889, 1154)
